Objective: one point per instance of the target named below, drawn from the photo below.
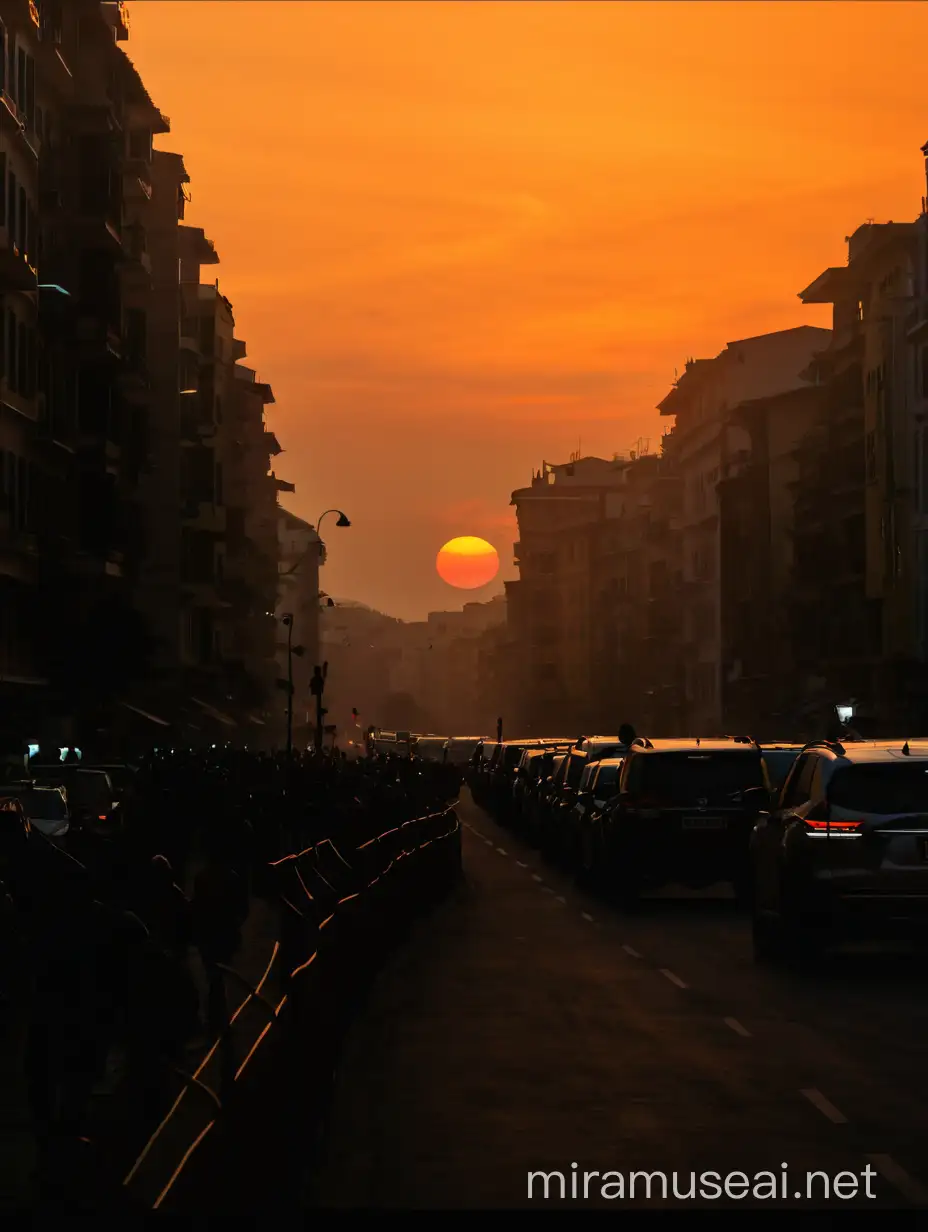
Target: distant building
(704, 438)
(300, 555)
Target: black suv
(684, 815)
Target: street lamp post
(342, 518)
(292, 650)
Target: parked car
(779, 756)
(684, 815)
(45, 808)
(538, 797)
(588, 816)
(461, 749)
(90, 794)
(843, 855)
(432, 748)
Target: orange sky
(461, 237)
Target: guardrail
(339, 915)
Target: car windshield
(512, 755)
(685, 778)
(884, 788)
(587, 777)
(45, 805)
(83, 788)
(779, 762)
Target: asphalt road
(528, 1028)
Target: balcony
(98, 336)
(116, 15)
(137, 263)
(19, 552)
(137, 189)
(188, 340)
(16, 271)
(204, 516)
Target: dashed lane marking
(825, 1106)
(913, 1191)
(737, 1027)
(501, 851)
(674, 979)
(521, 864)
(632, 953)
(488, 841)
(586, 916)
(535, 877)
(561, 898)
(547, 889)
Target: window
(884, 789)
(798, 787)
(12, 197)
(12, 351)
(871, 457)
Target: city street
(529, 1028)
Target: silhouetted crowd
(101, 931)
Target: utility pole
(499, 731)
(317, 688)
(292, 650)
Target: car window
(884, 788)
(779, 762)
(607, 775)
(44, 805)
(791, 795)
(683, 777)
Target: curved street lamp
(342, 518)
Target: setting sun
(467, 562)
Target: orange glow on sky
(464, 238)
(467, 562)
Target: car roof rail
(744, 740)
(642, 742)
(835, 745)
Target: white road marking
(674, 979)
(521, 864)
(737, 1027)
(912, 1190)
(825, 1106)
(473, 830)
(586, 916)
(628, 950)
(488, 841)
(501, 851)
(535, 877)
(561, 898)
(547, 889)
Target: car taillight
(834, 827)
(101, 817)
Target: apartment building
(761, 693)
(301, 553)
(704, 437)
(549, 608)
(636, 648)
(112, 515)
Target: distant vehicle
(90, 794)
(432, 748)
(843, 854)
(461, 749)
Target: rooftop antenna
(905, 749)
